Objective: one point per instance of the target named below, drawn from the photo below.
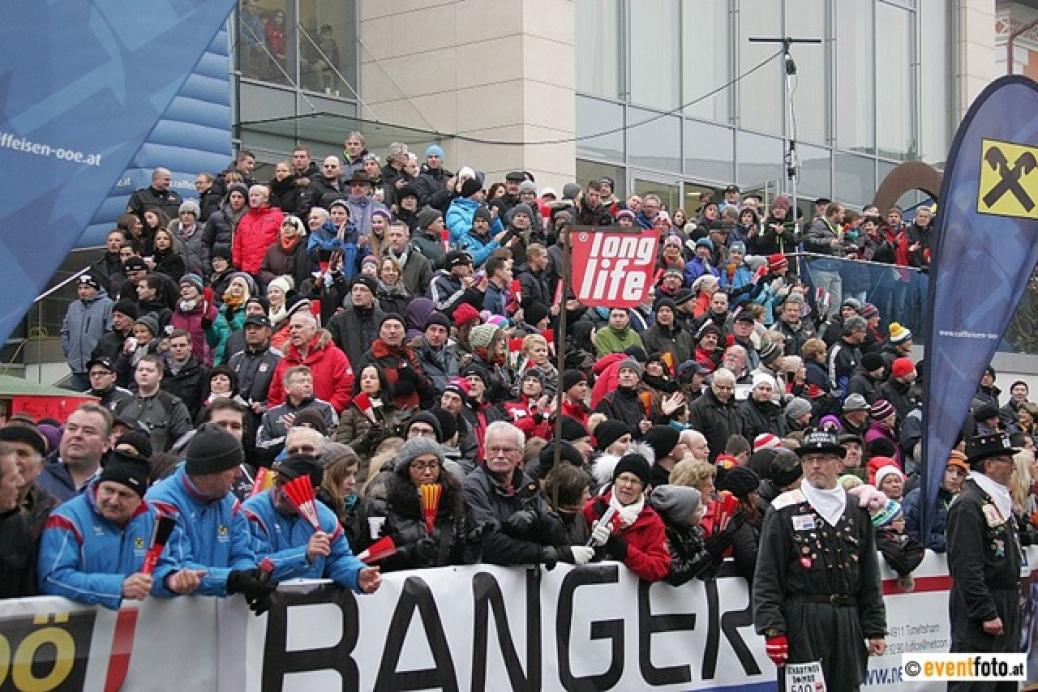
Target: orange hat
(957, 458)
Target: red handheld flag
(163, 528)
(300, 494)
(379, 550)
(445, 238)
(517, 291)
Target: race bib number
(805, 677)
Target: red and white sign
(613, 268)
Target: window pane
(855, 102)
(814, 172)
(263, 41)
(935, 92)
(654, 53)
(761, 93)
(668, 194)
(591, 170)
(708, 152)
(705, 57)
(760, 160)
(806, 19)
(598, 47)
(327, 36)
(894, 82)
(655, 145)
(598, 116)
(855, 179)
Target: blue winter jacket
(481, 248)
(210, 535)
(459, 220)
(327, 238)
(283, 539)
(85, 558)
(911, 507)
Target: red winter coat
(647, 552)
(257, 230)
(532, 425)
(607, 375)
(333, 377)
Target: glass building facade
(875, 92)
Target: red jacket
(647, 552)
(531, 424)
(578, 412)
(257, 230)
(333, 377)
(607, 375)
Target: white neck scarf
(998, 492)
(627, 513)
(830, 504)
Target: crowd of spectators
(384, 325)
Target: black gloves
(425, 549)
(616, 547)
(255, 585)
(549, 556)
(718, 543)
(520, 523)
(406, 380)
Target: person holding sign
(816, 591)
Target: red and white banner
(612, 268)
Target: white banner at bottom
(476, 627)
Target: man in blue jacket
(297, 550)
(211, 534)
(93, 546)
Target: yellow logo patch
(1008, 179)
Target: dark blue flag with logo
(82, 85)
(985, 249)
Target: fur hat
(414, 448)
(609, 431)
(635, 463)
(675, 503)
(481, 335)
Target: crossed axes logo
(1009, 177)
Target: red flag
(445, 238)
(379, 550)
(517, 291)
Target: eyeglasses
(426, 466)
(494, 451)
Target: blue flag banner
(193, 135)
(985, 248)
(82, 86)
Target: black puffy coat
(715, 420)
(758, 417)
(354, 330)
(416, 547)
(689, 557)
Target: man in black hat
(102, 383)
(355, 328)
(93, 546)
(984, 557)
(86, 321)
(211, 536)
(255, 365)
(454, 284)
(297, 549)
(817, 589)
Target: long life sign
(612, 268)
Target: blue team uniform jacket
(283, 539)
(210, 535)
(85, 557)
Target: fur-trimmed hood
(602, 468)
